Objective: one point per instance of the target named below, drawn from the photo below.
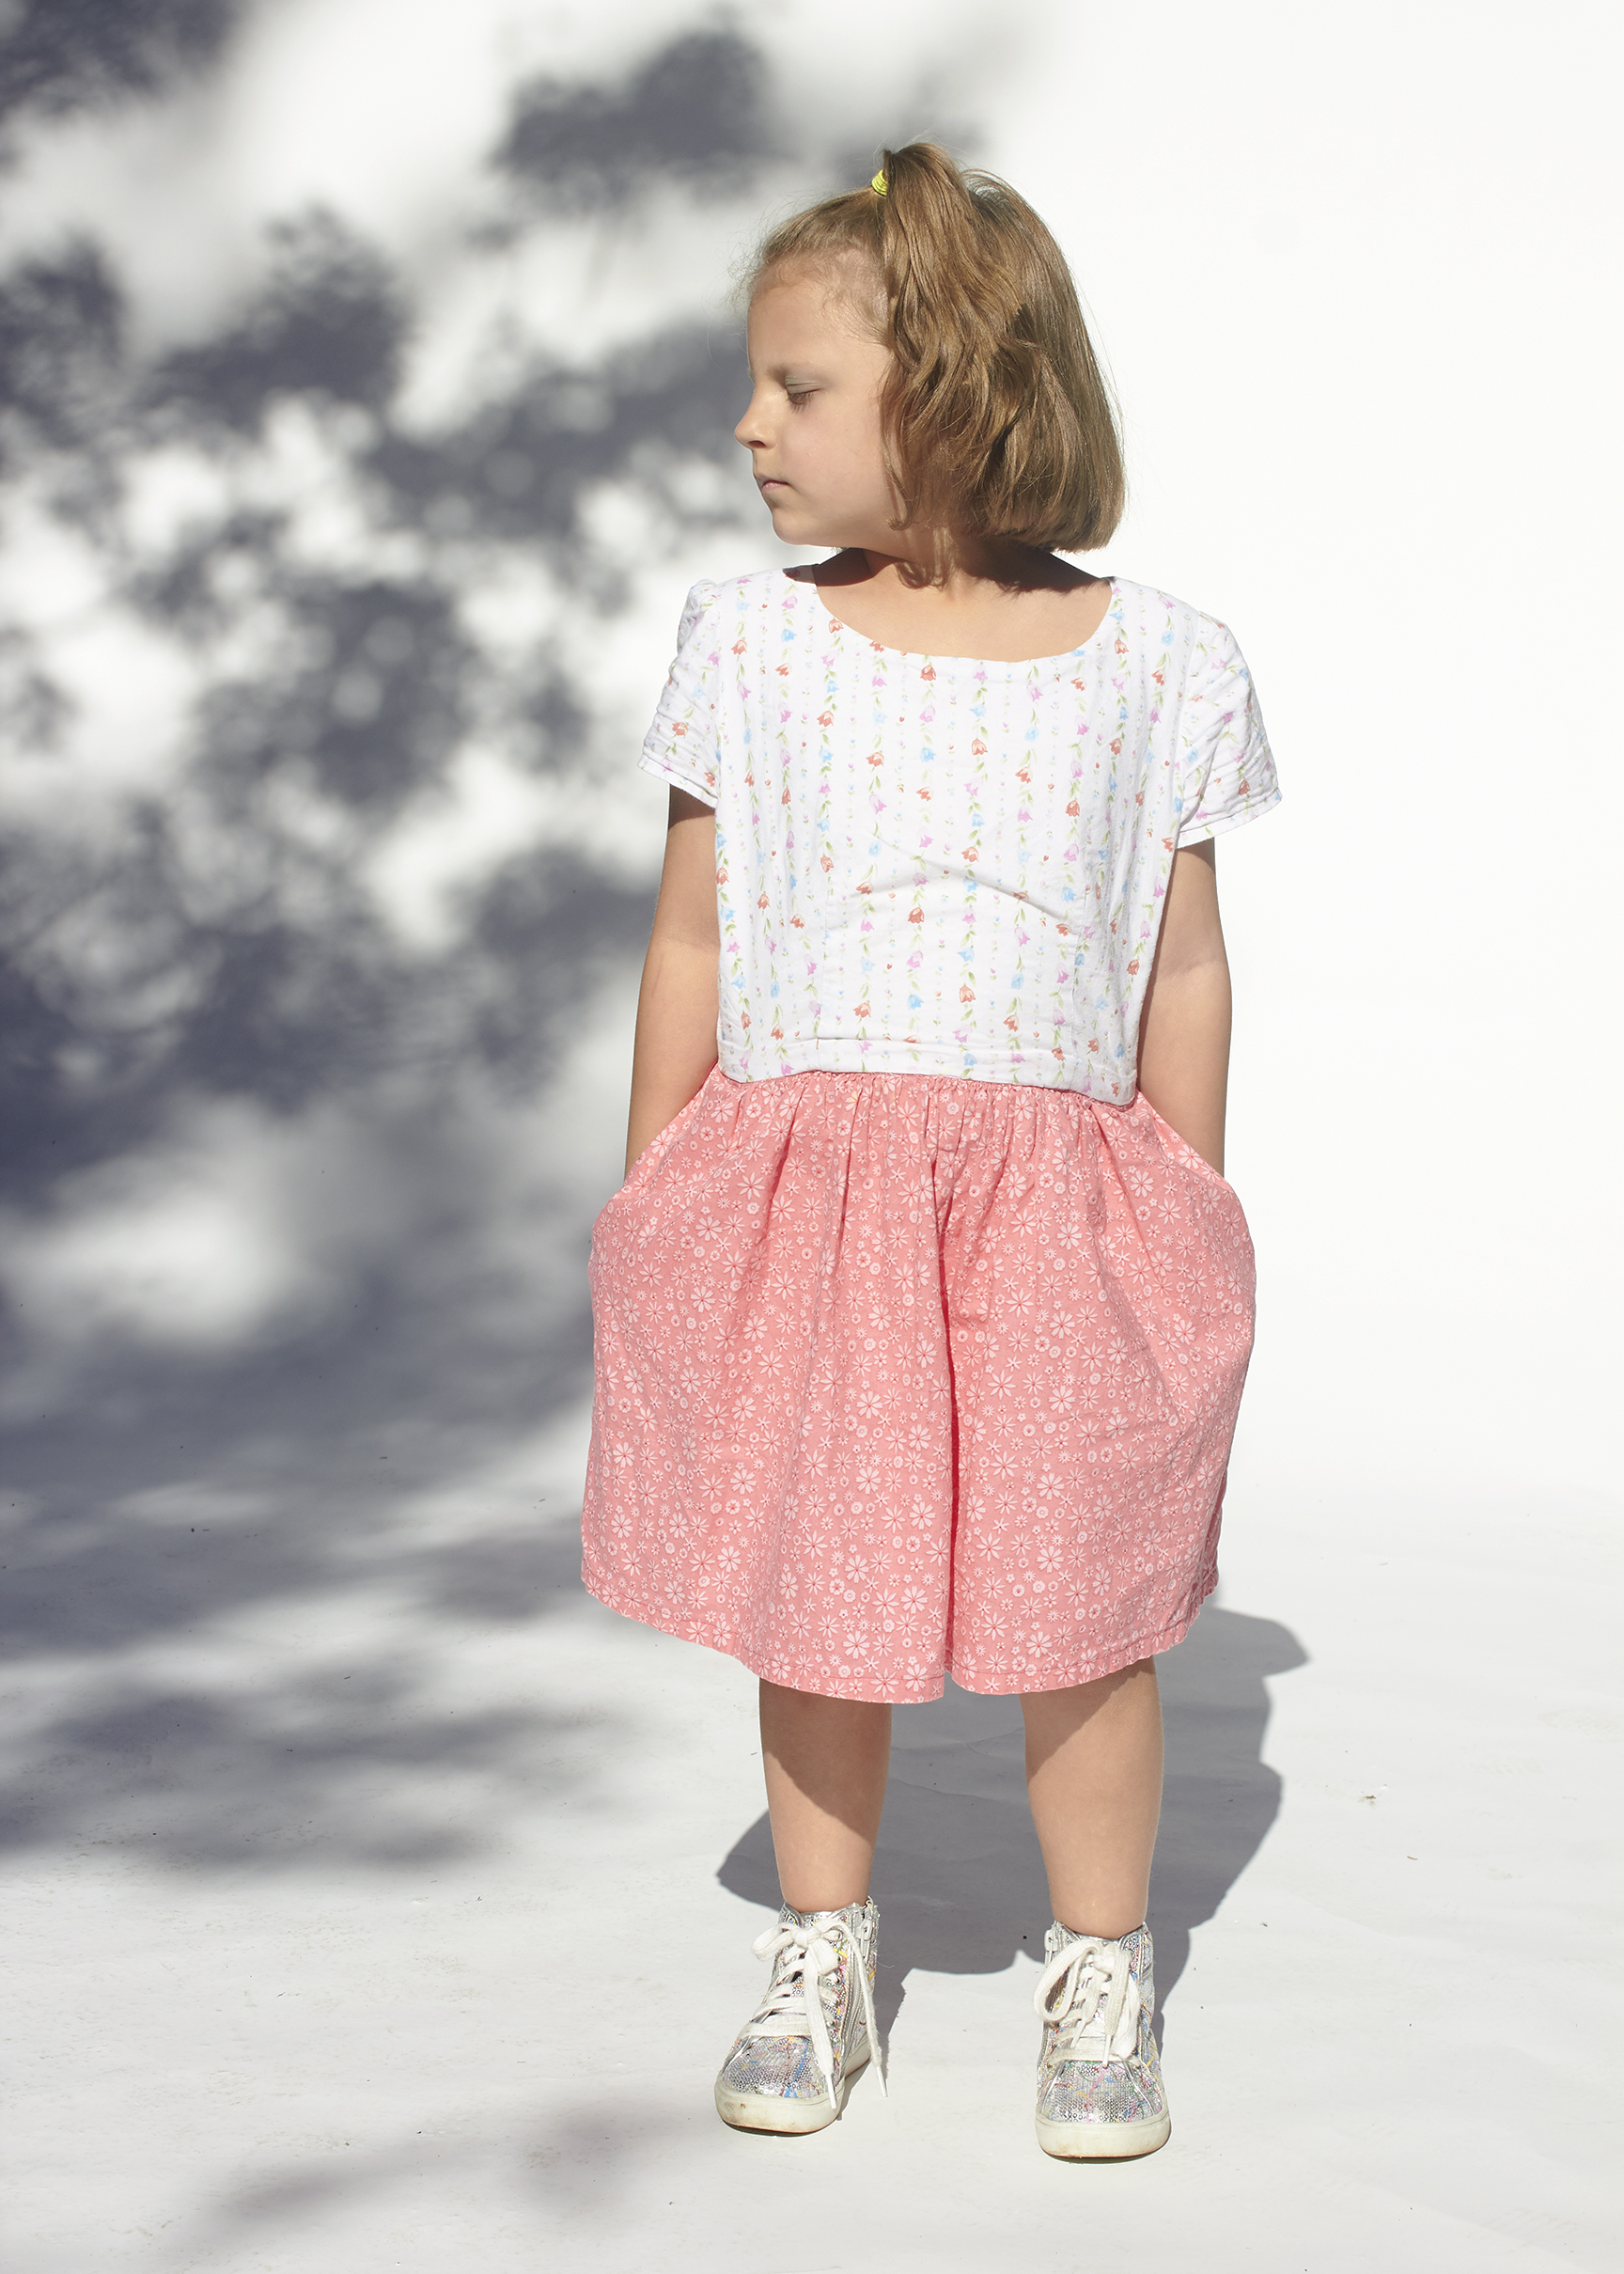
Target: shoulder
(1150, 611)
(1201, 645)
(737, 595)
(717, 612)
(708, 612)
(756, 621)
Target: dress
(904, 1369)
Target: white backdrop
(368, 369)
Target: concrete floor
(388, 1906)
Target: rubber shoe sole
(1103, 2142)
(765, 2112)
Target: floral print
(942, 865)
(899, 1373)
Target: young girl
(923, 1313)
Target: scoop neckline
(975, 662)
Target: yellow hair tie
(878, 185)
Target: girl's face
(812, 426)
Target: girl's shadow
(958, 1877)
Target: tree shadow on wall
(958, 1875)
(61, 56)
(211, 956)
(224, 943)
(250, 958)
(697, 113)
(201, 980)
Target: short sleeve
(1228, 770)
(681, 745)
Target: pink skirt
(899, 1374)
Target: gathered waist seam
(887, 1076)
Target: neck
(961, 567)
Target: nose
(750, 430)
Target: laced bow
(795, 1999)
(1088, 1990)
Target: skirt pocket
(1186, 1155)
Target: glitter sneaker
(793, 2064)
(1099, 2091)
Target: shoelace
(810, 1953)
(1098, 2006)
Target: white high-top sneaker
(793, 2064)
(1100, 2090)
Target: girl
(923, 1313)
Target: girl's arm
(1184, 1031)
(676, 1042)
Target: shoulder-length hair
(998, 421)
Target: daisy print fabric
(941, 865)
(906, 1374)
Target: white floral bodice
(941, 865)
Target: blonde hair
(998, 421)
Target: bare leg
(825, 1760)
(1094, 1776)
